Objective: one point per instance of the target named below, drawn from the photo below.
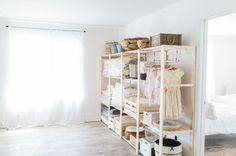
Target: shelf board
(180, 85)
(115, 107)
(115, 77)
(116, 54)
(131, 52)
(104, 56)
(105, 77)
(167, 47)
(181, 130)
(151, 49)
(167, 85)
(112, 77)
(133, 80)
(128, 142)
(155, 129)
(129, 114)
(112, 54)
(130, 102)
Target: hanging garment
(172, 75)
(173, 104)
(152, 83)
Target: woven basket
(108, 46)
(165, 39)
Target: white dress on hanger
(173, 104)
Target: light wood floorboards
(89, 139)
(221, 145)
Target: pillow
(210, 112)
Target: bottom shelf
(180, 130)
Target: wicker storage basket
(170, 147)
(135, 43)
(165, 39)
(131, 130)
(108, 46)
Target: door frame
(200, 86)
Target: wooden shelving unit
(110, 81)
(187, 61)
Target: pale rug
(220, 145)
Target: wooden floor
(90, 139)
(220, 145)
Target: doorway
(220, 87)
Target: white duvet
(225, 115)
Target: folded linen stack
(116, 95)
(142, 100)
(105, 95)
(130, 92)
(116, 99)
(114, 68)
(105, 72)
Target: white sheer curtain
(45, 78)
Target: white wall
(184, 17)
(94, 48)
(3, 62)
(94, 40)
(222, 55)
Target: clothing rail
(73, 30)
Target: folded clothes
(116, 98)
(141, 99)
(114, 67)
(129, 92)
(104, 100)
(105, 92)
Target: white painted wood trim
(138, 104)
(201, 84)
(122, 96)
(109, 89)
(199, 149)
(162, 102)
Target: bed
(220, 115)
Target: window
(45, 82)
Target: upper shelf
(151, 49)
(168, 47)
(113, 55)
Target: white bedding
(225, 111)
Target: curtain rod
(7, 26)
